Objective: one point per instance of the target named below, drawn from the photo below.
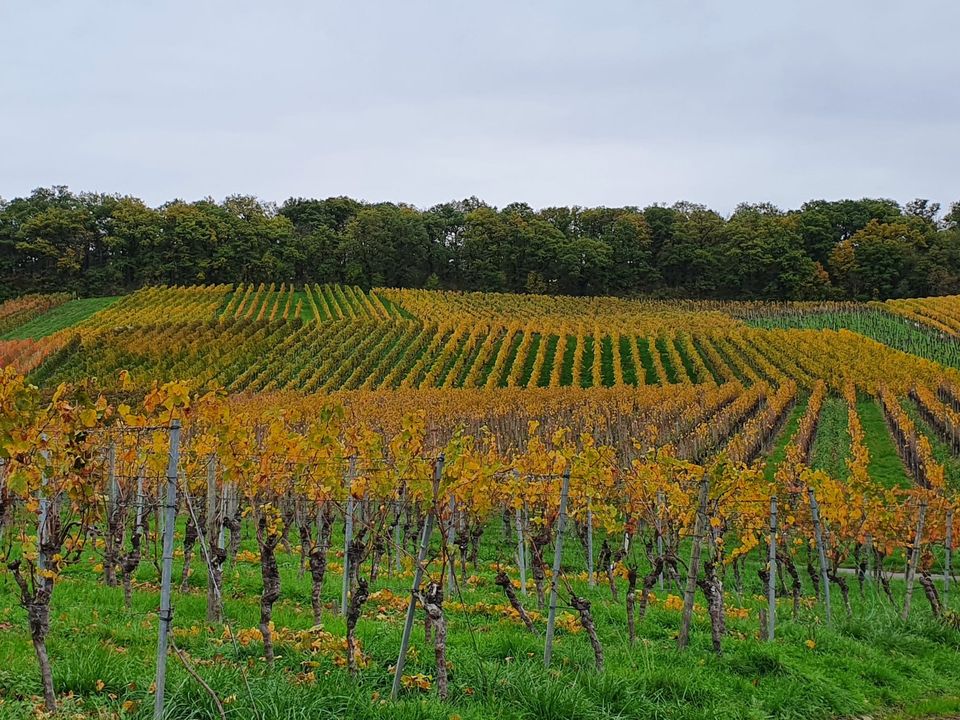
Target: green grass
(64, 316)
(646, 361)
(306, 312)
(546, 369)
(831, 445)
(660, 346)
(706, 361)
(863, 665)
(606, 361)
(687, 364)
(629, 361)
(885, 467)
(528, 361)
(569, 352)
(586, 369)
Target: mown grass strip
(589, 353)
(627, 360)
(606, 361)
(831, 445)
(885, 467)
(530, 359)
(687, 363)
(547, 369)
(569, 351)
(643, 350)
(665, 359)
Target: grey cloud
(547, 102)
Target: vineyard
(331, 502)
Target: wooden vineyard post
(226, 510)
(450, 539)
(912, 565)
(166, 575)
(138, 526)
(397, 536)
(347, 540)
(110, 566)
(3, 482)
(212, 540)
(555, 579)
(948, 553)
(821, 552)
(660, 536)
(43, 529)
(417, 579)
(521, 552)
(591, 579)
(694, 570)
(772, 573)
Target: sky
(593, 102)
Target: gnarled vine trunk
(357, 601)
(432, 601)
(631, 603)
(271, 584)
(712, 587)
(582, 606)
(503, 580)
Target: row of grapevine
(797, 453)
(913, 446)
(709, 436)
(942, 417)
(25, 356)
(159, 305)
(337, 302)
(78, 468)
(750, 441)
(374, 353)
(940, 313)
(264, 303)
(859, 462)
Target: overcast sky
(551, 103)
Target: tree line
(100, 244)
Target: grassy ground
(103, 655)
(831, 446)
(885, 467)
(59, 318)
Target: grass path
(831, 446)
(886, 467)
